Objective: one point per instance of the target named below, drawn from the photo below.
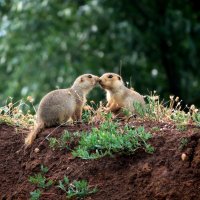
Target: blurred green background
(46, 44)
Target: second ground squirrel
(58, 106)
(118, 95)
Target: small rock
(183, 157)
(36, 150)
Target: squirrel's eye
(89, 76)
(110, 76)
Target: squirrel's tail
(32, 135)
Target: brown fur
(59, 105)
(118, 95)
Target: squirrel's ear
(81, 79)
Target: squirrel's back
(56, 106)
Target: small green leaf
(35, 195)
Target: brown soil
(161, 175)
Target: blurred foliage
(46, 44)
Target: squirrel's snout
(101, 83)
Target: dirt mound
(161, 175)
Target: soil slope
(161, 175)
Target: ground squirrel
(118, 95)
(58, 106)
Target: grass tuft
(40, 180)
(18, 113)
(64, 141)
(78, 189)
(35, 195)
(110, 139)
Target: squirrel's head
(86, 82)
(110, 81)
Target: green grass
(35, 195)
(139, 109)
(64, 141)
(86, 116)
(183, 143)
(110, 139)
(40, 180)
(170, 111)
(18, 113)
(78, 189)
(181, 127)
(44, 169)
(155, 128)
(196, 118)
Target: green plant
(35, 195)
(53, 142)
(17, 113)
(180, 117)
(155, 128)
(152, 107)
(64, 141)
(125, 112)
(66, 137)
(196, 118)
(109, 139)
(77, 189)
(39, 179)
(139, 109)
(62, 184)
(183, 143)
(181, 127)
(44, 169)
(86, 116)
